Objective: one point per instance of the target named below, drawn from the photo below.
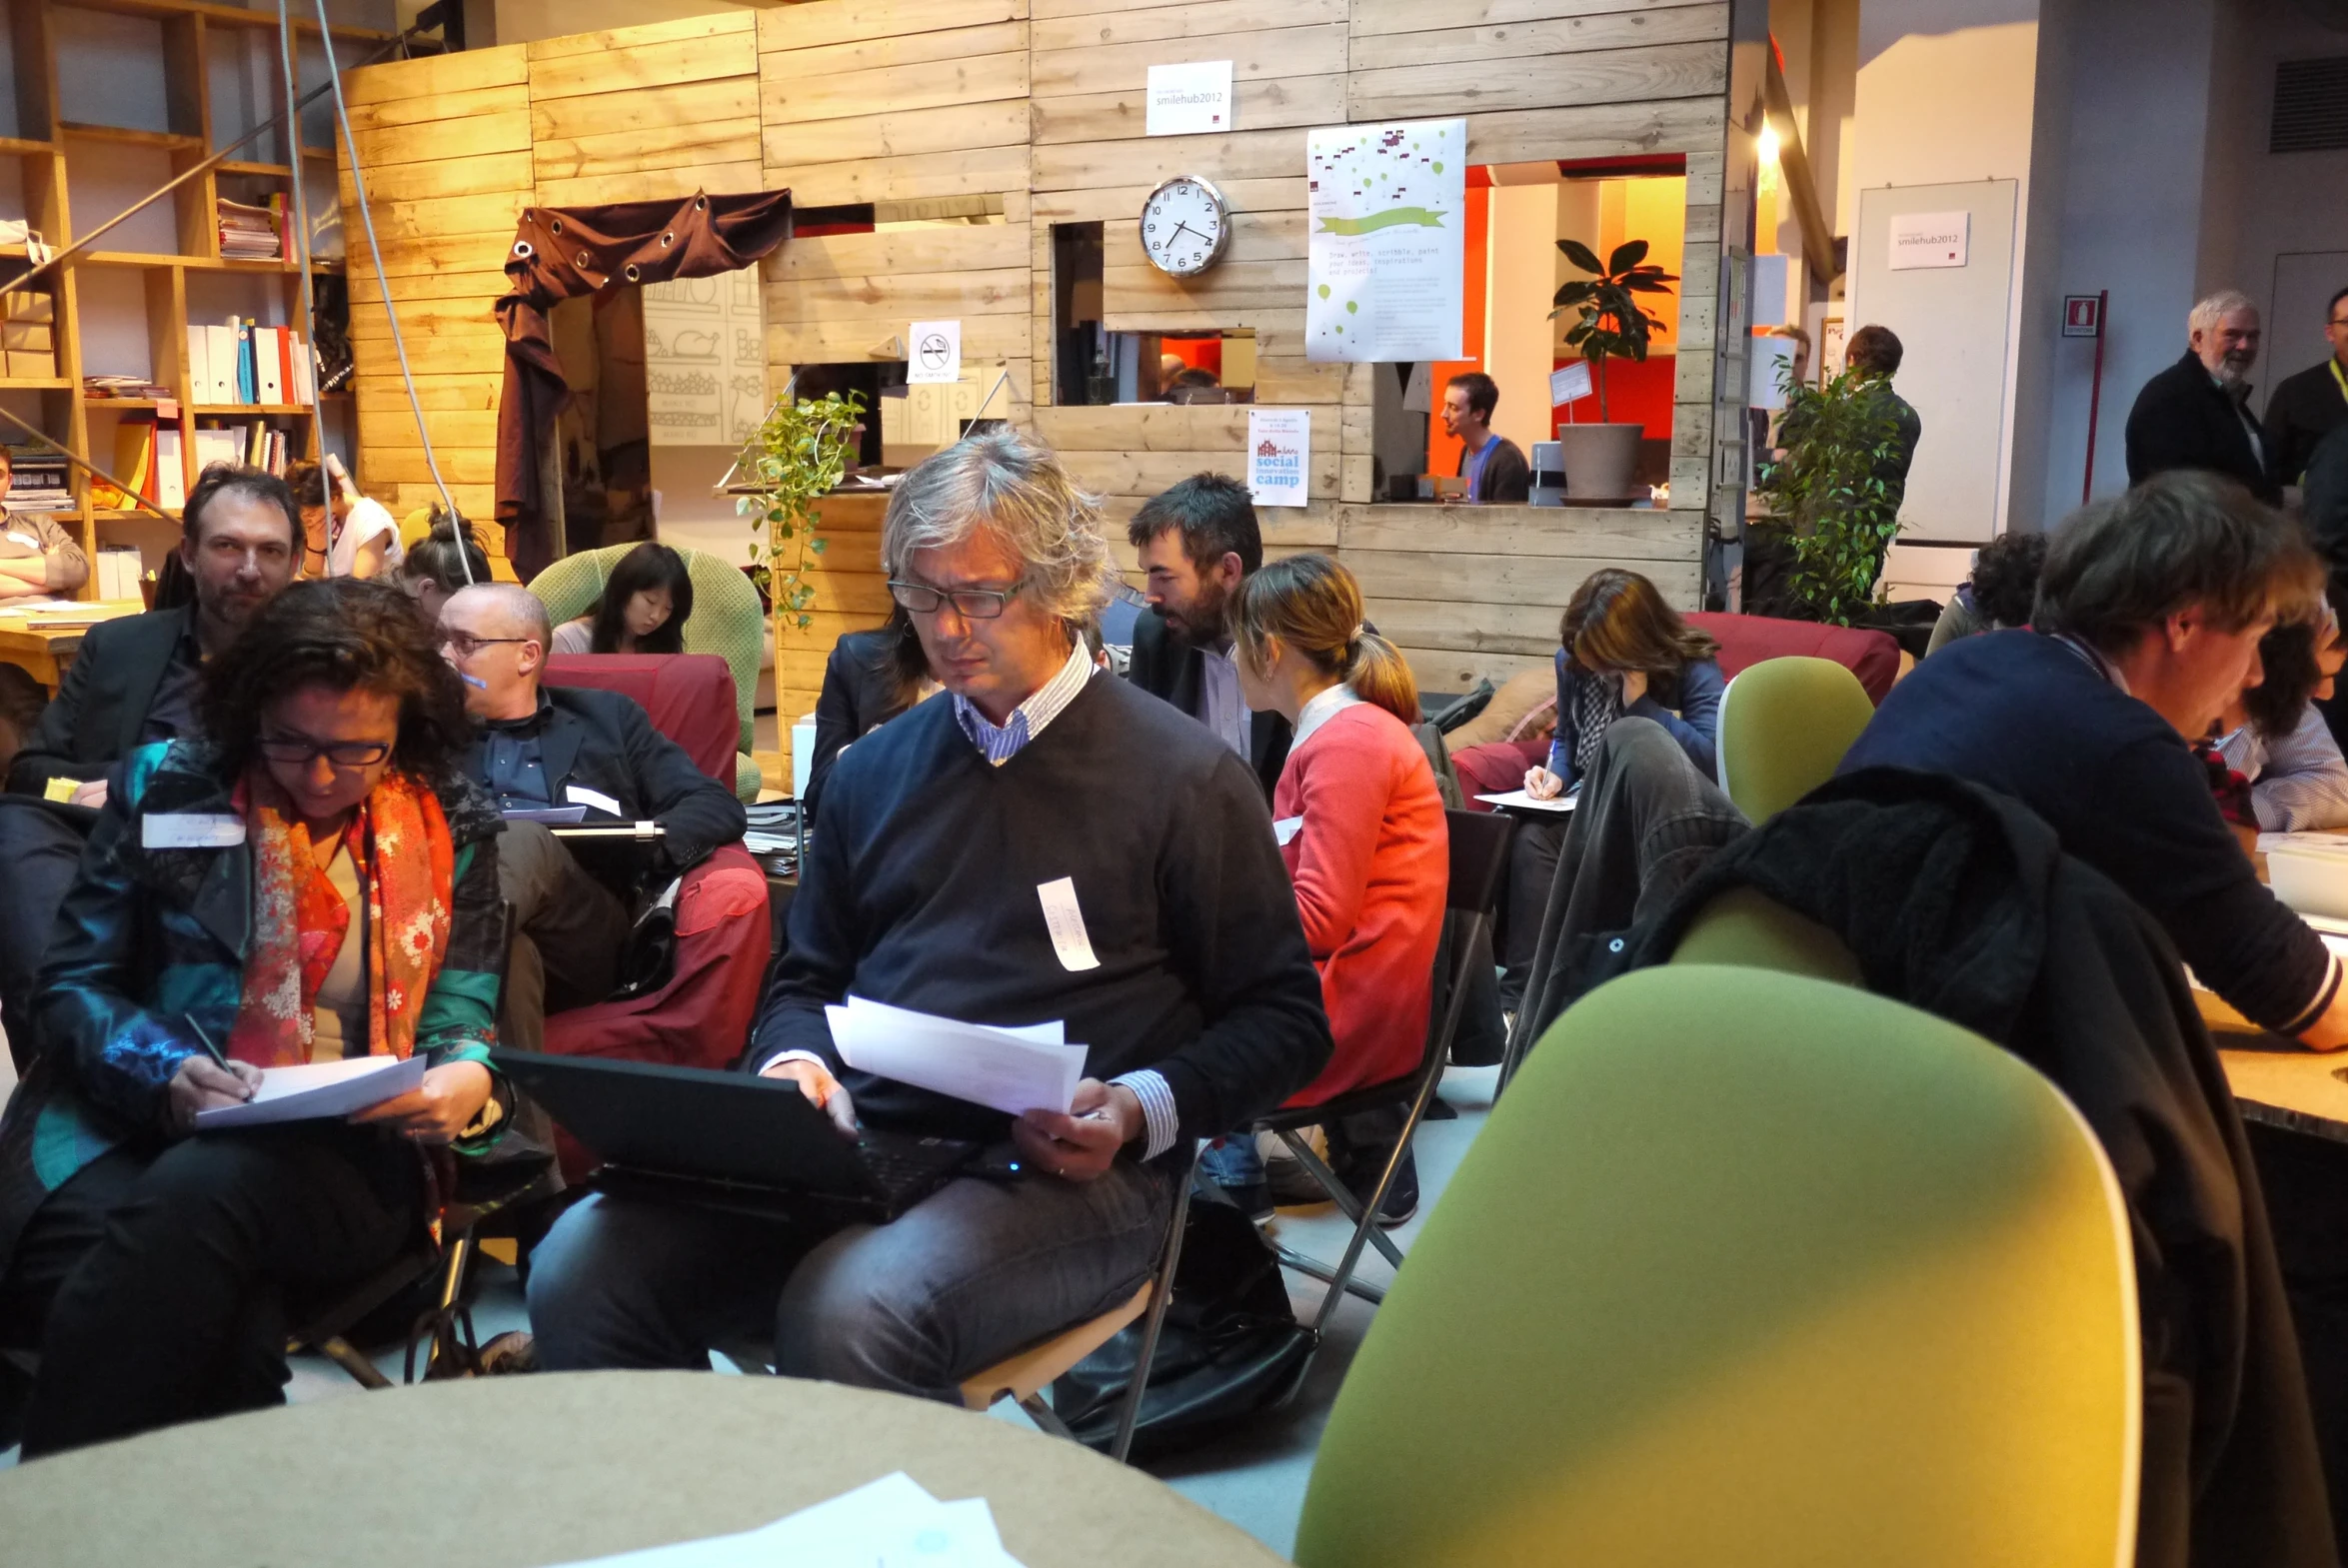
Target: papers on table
(323, 1088)
(2335, 843)
(1518, 800)
(1007, 1069)
(892, 1523)
(549, 814)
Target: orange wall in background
(1442, 451)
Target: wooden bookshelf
(58, 132)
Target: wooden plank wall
(1031, 112)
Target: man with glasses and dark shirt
(133, 683)
(546, 748)
(2305, 408)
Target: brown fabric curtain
(561, 253)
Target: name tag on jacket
(191, 830)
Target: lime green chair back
(727, 621)
(1743, 929)
(1749, 1268)
(1784, 724)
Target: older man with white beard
(2195, 414)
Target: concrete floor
(1254, 1478)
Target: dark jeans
(40, 851)
(1532, 867)
(569, 930)
(154, 1281)
(2305, 1180)
(975, 1271)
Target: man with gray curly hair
(1044, 844)
(2195, 414)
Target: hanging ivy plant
(796, 458)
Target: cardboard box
(31, 365)
(29, 335)
(29, 304)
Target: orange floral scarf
(408, 868)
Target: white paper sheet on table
(1007, 1069)
(2320, 842)
(1518, 799)
(322, 1089)
(890, 1523)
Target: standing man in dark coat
(2194, 414)
(2305, 408)
(1198, 542)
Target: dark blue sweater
(2026, 715)
(921, 891)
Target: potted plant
(798, 454)
(1600, 457)
(1834, 497)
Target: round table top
(518, 1472)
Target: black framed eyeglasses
(467, 644)
(342, 754)
(971, 604)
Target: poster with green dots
(1386, 248)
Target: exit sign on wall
(2082, 316)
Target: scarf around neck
(1598, 703)
(399, 841)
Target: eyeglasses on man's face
(467, 644)
(971, 604)
(346, 756)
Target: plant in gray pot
(1611, 324)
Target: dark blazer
(602, 741)
(2183, 421)
(1167, 667)
(2300, 412)
(1506, 476)
(2324, 496)
(102, 705)
(861, 691)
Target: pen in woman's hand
(205, 1040)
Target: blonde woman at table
(311, 879)
(38, 557)
(1362, 831)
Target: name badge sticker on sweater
(582, 796)
(1066, 923)
(1287, 827)
(191, 830)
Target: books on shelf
(243, 362)
(249, 233)
(136, 387)
(42, 482)
(119, 570)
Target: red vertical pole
(2095, 390)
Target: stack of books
(43, 481)
(255, 445)
(111, 385)
(249, 233)
(246, 363)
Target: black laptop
(729, 1140)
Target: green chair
(1746, 929)
(1784, 724)
(1749, 1268)
(728, 620)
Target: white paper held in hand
(1007, 1069)
(890, 1523)
(321, 1088)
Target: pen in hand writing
(210, 1049)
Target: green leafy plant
(797, 456)
(1612, 323)
(1833, 492)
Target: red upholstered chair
(1873, 657)
(703, 1015)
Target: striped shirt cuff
(795, 1056)
(2316, 1009)
(1159, 1115)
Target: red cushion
(690, 697)
(702, 1017)
(1495, 767)
(1747, 639)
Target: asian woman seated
(311, 879)
(647, 601)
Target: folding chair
(1479, 859)
(1024, 1376)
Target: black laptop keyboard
(901, 1163)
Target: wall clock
(1186, 224)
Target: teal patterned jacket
(147, 935)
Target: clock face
(1184, 225)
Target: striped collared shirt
(1028, 721)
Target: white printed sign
(933, 353)
(1568, 383)
(1186, 99)
(1387, 256)
(1279, 452)
(1930, 239)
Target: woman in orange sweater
(1362, 829)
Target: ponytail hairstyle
(1314, 606)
